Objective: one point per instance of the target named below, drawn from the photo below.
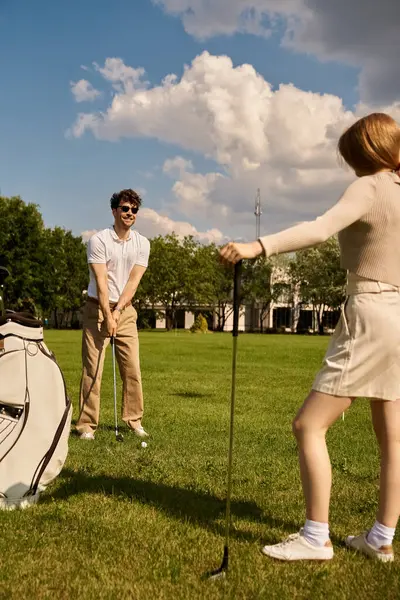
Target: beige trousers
(94, 343)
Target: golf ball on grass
(144, 445)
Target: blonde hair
(371, 144)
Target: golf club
(118, 436)
(221, 572)
(4, 273)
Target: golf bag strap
(47, 457)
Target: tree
(217, 284)
(47, 266)
(21, 250)
(186, 273)
(200, 325)
(258, 288)
(222, 292)
(64, 273)
(320, 278)
(168, 278)
(53, 270)
(77, 273)
(202, 276)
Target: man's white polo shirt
(106, 248)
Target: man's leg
(127, 352)
(94, 344)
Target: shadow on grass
(196, 507)
(184, 504)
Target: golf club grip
(236, 298)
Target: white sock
(380, 535)
(316, 533)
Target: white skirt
(363, 356)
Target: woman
(363, 357)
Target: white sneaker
(87, 435)
(140, 432)
(296, 547)
(361, 544)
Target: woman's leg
(313, 420)
(377, 543)
(386, 422)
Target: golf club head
(222, 571)
(119, 437)
(216, 575)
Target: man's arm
(135, 276)
(96, 254)
(100, 273)
(131, 286)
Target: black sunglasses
(125, 209)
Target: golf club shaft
(1, 301)
(115, 385)
(230, 454)
(4, 273)
(235, 333)
(223, 569)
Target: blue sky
(43, 46)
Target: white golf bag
(35, 412)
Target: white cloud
(193, 190)
(177, 165)
(282, 141)
(228, 113)
(84, 91)
(152, 224)
(214, 109)
(122, 77)
(362, 33)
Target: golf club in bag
(221, 572)
(118, 436)
(35, 411)
(4, 273)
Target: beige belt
(362, 285)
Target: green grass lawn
(126, 522)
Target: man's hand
(111, 324)
(116, 315)
(233, 252)
(131, 286)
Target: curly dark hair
(125, 196)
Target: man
(117, 258)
